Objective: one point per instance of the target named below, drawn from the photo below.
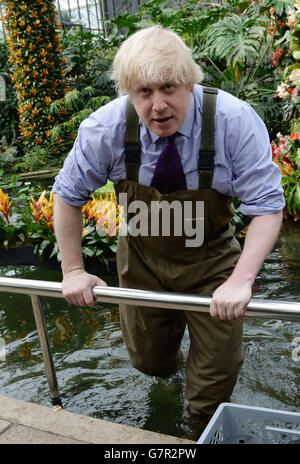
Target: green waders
(164, 263)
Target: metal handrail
(162, 300)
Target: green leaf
(113, 247)
(234, 38)
(87, 251)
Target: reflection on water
(93, 370)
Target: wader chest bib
(165, 263)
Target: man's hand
(229, 301)
(77, 287)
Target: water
(93, 370)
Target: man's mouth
(162, 120)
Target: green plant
(35, 54)
(233, 41)
(75, 106)
(26, 217)
(9, 117)
(8, 155)
(88, 60)
(286, 153)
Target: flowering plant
(28, 220)
(286, 153)
(37, 65)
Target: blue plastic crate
(239, 424)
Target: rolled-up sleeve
(256, 179)
(91, 162)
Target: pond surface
(93, 369)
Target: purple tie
(168, 174)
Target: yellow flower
(5, 204)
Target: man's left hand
(229, 301)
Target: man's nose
(159, 105)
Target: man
(156, 70)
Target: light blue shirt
(243, 156)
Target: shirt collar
(187, 125)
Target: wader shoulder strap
(206, 153)
(132, 142)
(207, 148)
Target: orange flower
(21, 109)
(47, 216)
(42, 209)
(36, 206)
(5, 204)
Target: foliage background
(248, 48)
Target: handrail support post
(46, 351)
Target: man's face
(161, 107)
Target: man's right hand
(77, 287)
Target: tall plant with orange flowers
(37, 65)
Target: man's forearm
(261, 237)
(231, 298)
(68, 231)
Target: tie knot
(170, 139)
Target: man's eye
(144, 90)
(168, 86)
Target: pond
(93, 369)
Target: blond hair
(154, 55)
